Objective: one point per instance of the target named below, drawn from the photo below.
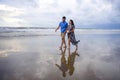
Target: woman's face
(70, 22)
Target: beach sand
(35, 58)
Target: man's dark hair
(64, 17)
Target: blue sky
(48, 13)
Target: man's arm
(66, 29)
(57, 66)
(57, 28)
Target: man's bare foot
(77, 54)
(60, 48)
(65, 47)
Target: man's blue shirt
(63, 26)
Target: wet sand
(39, 58)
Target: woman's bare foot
(68, 48)
(76, 47)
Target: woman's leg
(69, 42)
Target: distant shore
(5, 27)
(33, 31)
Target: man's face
(63, 19)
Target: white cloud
(49, 12)
(94, 12)
(9, 16)
(11, 11)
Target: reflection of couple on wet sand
(67, 65)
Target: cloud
(96, 12)
(20, 3)
(45, 13)
(9, 16)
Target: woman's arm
(72, 30)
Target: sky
(48, 13)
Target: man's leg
(64, 43)
(64, 40)
(61, 41)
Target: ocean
(39, 31)
(33, 54)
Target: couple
(69, 29)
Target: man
(63, 26)
(63, 66)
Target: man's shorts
(63, 35)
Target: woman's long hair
(72, 22)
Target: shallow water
(38, 58)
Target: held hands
(68, 31)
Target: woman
(71, 35)
(71, 61)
